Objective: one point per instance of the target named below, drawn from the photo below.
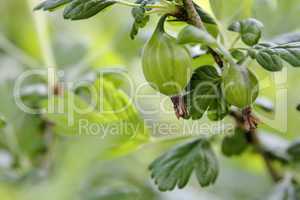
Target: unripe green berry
(240, 86)
(167, 65)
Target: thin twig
(43, 35)
(268, 162)
(254, 140)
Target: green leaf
(205, 94)
(2, 121)
(207, 172)
(24, 130)
(205, 17)
(68, 120)
(294, 150)
(141, 20)
(51, 4)
(31, 137)
(99, 184)
(194, 35)
(290, 53)
(202, 60)
(109, 114)
(139, 14)
(212, 29)
(250, 30)
(32, 94)
(83, 9)
(218, 109)
(235, 144)
(208, 21)
(270, 55)
(176, 166)
(237, 54)
(269, 59)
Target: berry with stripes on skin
(240, 86)
(167, 65)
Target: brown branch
(193, 16)
(253, 139)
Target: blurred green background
(40, 165)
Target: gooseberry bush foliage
(222, 85)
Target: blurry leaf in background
(176, 166)
(286, 190)
(8, 193)
(81, 43)
(112, 116)
(19, 26)
(67, 120)
(73, 159)
(132, 131)
(31, 138)
(235, 144)
(23, 136)
(231, 10)
(274, 15)
(128, 182)
(294, 150)
(2, 121)
(70, 50)
(32, 94)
